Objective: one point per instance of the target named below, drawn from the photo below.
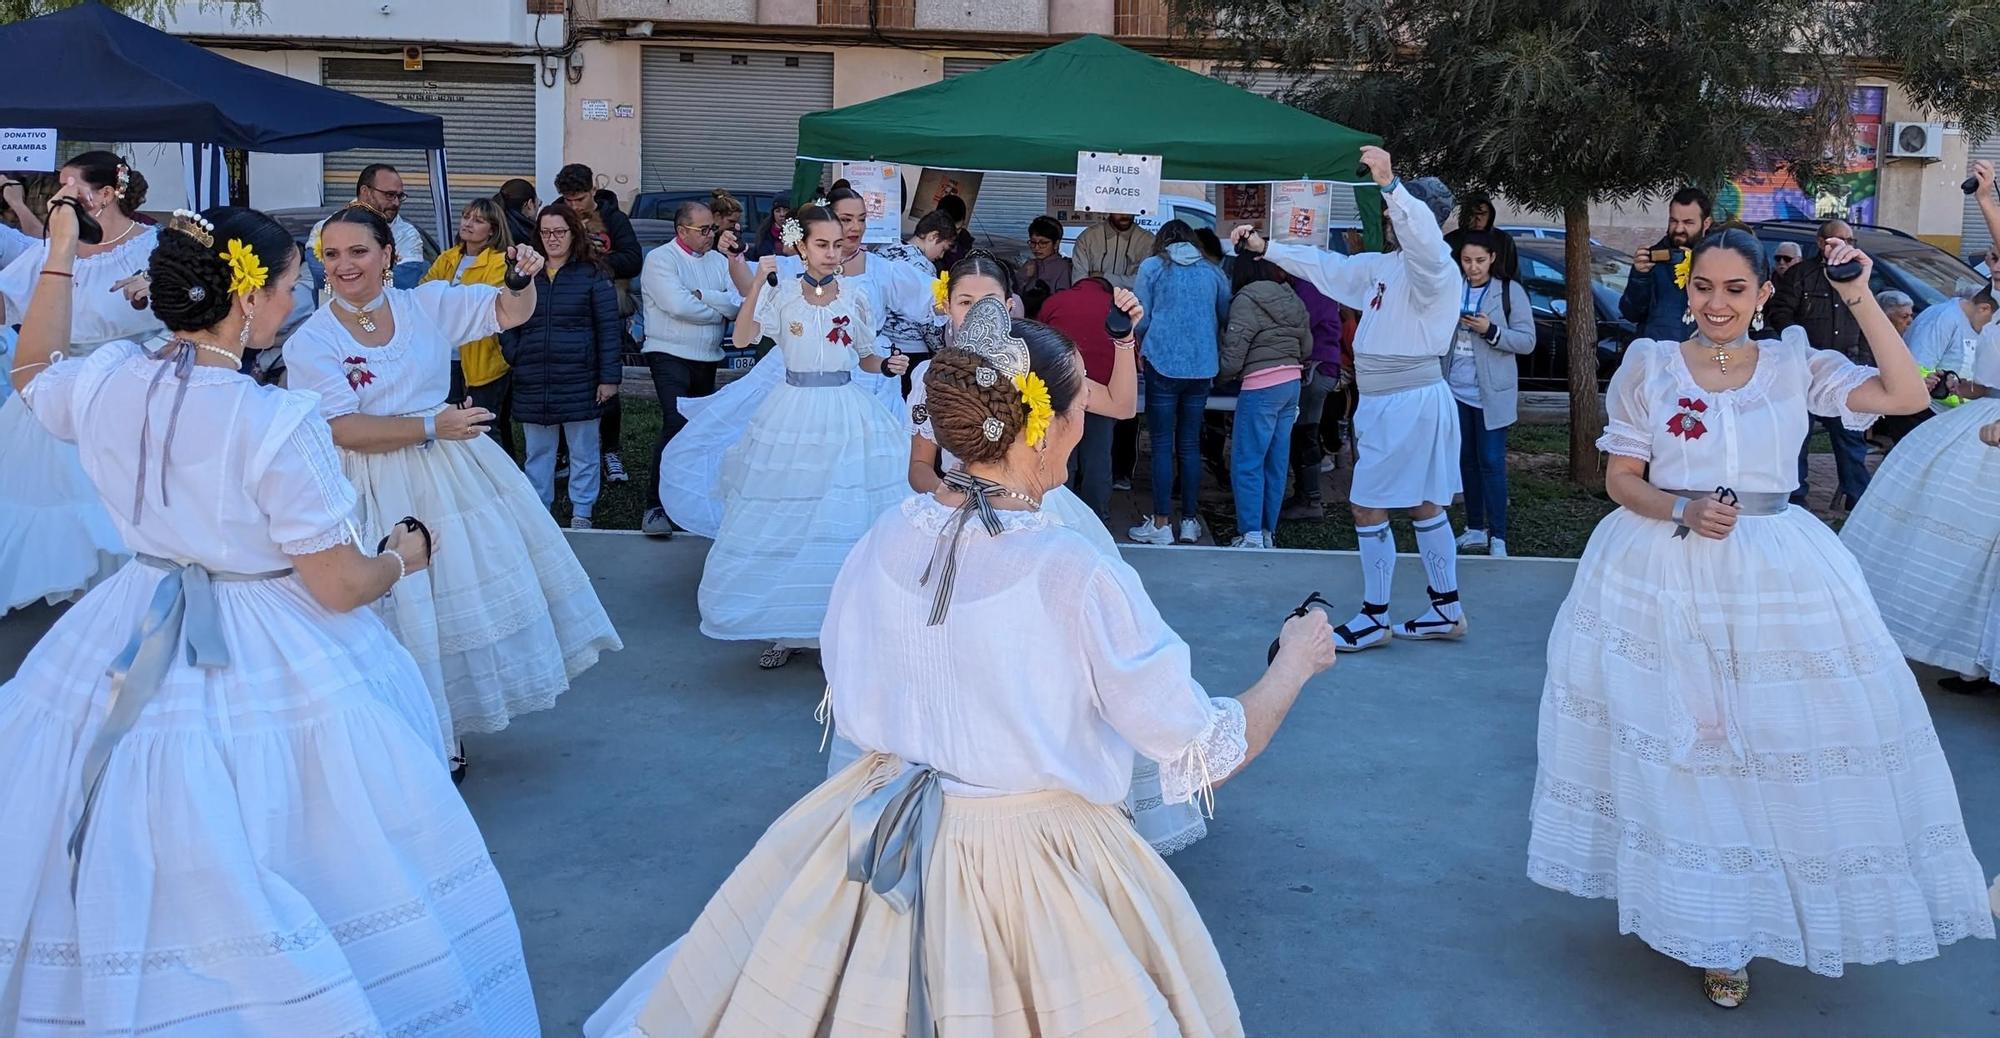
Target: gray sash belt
(818, 379)
(1746, 504)
(889, 837)
(183, 610)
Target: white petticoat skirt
(505, 616)
(1733, 748)
(811, 471)
(1406, 448)
(56, 539)
(275, 848)
(1927, 535)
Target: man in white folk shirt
(689, 298)
(1406, 426)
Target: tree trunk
(1586, 407)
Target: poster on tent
(27, 150)
(1848, 192)
(1244, 204)
(1301, 212)
(934, 184)
(881, 188)
(1062, 203)
(1114, 182)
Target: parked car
(1543, 264)
(1924, 272)
(660, 205)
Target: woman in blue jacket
(565, 361)
(1186, 299)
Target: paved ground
(1363, 877)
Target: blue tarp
(93, 74)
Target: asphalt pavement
(1364, 877)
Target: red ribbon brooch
(839, 332)
(358, 374)
(1687, 423)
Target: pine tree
(1556, 104)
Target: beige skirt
(1044, 915)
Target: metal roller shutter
(721, 118)
(1278, 85)
(1007, 201)
(489, 127)
(1977, 240)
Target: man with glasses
(1047, 271)
(1784, 258)
(380, 187)
(688, 298)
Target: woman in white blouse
(973, 870)
(501, 627)
(1731, 745)
(224, 812)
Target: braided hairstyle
(959, 406)
(101, 169)
(190, 289)
(375, 222)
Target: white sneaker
(614, 468)
(1497, 548)
(1147, 533)
(1190, 531)
(579, 522)
(1249, 540)
(1472, 539)
(1270, 539)
(1328, 463)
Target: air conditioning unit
(1916, 140)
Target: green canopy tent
(1034, 113)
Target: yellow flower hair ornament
(1682, 268)
(1035, 397)
(941, 291)
(246, 274)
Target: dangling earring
(243, 337)
(1757, 320)
(1687, 316)
(387, 277)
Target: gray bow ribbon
(889, 836)
(177, 356)
(976, 503)
(183, 611)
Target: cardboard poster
(1244, 204)
(1301, 212)
(936, 183)
(881, 188)
(1110, 182)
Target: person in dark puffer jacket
(1268, 343)
(565, 361)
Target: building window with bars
(1141, 18)
(888, 14)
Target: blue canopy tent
(145, 85)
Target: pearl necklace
(235, 359)
(363, 314)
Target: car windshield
(1934, 276)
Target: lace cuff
(1214, 754)
(1829, 397)
(1625, 445)
(339, 535)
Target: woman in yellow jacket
(479, 257)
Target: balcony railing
(889, 14)
(1147, 18)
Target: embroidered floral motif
(797, 329)
(358, 374)
(838, 333)
(1687, 423)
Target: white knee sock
(1440, 554)
(1378, 562)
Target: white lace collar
(930, 515)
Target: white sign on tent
(1109, 182)
(28, 150)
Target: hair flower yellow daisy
(246, 274)
(941, 291)
(1681, 269)
(1035, 397)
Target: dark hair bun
(959, 407)
(190, 289)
